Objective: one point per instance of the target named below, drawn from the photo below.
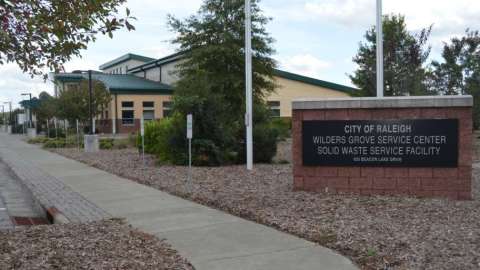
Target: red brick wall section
(453, 183)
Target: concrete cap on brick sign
(386, 102)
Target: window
(126, 69)
(128, 116)
(127, 104)
(148, 104)
(274, 108)
(148, 115)
(167, 108)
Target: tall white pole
(248, 83)
(379, 50)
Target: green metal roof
(277, 72)
(120, 83)
(124, 58)
(312, 81)
(33, 104)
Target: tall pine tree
(459, 71)
(211, 82)
(404, 57)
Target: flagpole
(248, 84)
(380, 90)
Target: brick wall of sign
(454, 183)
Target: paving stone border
(60, 202)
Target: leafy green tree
(46, 110)
(404, 57)
(212, 79)
(47, 107)
(44, 34)
(459, 71)
(73, 102)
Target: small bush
(106, 144)
(122, 144)
(283, 127)
(53, 133)
(38, 140)
(54, 144)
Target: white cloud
(13, 83)
(344, 12)
(305, 64)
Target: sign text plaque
(395, 143)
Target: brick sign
(396, 143)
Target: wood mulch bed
(109, 244)
(375, 232)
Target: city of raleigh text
(377, 140)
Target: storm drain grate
(29, 221)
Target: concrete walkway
(209, 239)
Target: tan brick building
(144, 86)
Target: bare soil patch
(375, 232)
(99, 245)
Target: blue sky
(315, 38)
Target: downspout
(114, 120)
(160, 69)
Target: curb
(54, 216)
(59, 202)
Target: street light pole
(9, 112)
(379, 50)
(248, 84)
(3, 114)
(29, 109)
(90, 107)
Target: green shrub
(54, 144)
(283, 127)
(122, 144)
(159, 140)
(106, 144)
(52, 133)
(38, 140)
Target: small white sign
(142, 127)
(189, 126)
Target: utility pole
(248, 84)
(379, 50)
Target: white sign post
(78, 136)
(56, 131)
(142, 133)
(189, 137)
(66, 132)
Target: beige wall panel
(153, 74)
(289, 90)
(130, 64)
(167, 73)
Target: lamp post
(3, 114)
(90, 99)
(9, 111)
(248, 84)
(29, 109)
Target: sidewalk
(210, 239)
